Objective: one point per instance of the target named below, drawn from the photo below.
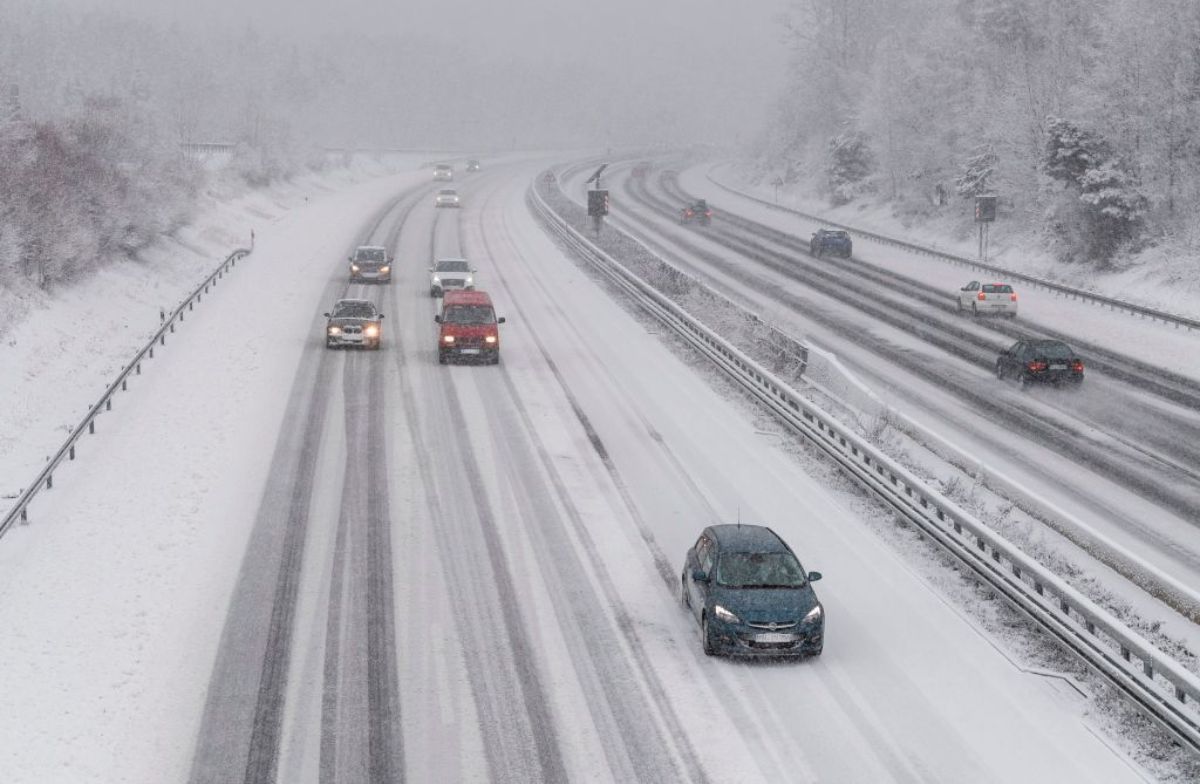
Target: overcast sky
(733, 46)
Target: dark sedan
(831, 242)
(1040, 362)
(750, 595)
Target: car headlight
(814, 615)
(385, 269)
(470, 281)
(436, 280)
(335, 330)
(447, 338)
(490, 339)
(354, 268)
(371, 331)
(725, 615)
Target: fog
(554, 73)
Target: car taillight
(708, 214)
(1077, 366)
(1013, 296)
(982, 296)
(1036, 365)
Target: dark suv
(1044, 361)
(831, 242)
(750, 595)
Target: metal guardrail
(45, 480)
(1032, 280)
(1156, 684)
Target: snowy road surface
(285, 563)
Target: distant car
(353, 322)
(750, 595)
(449, 274)
(468, 328)
(473, 165)
(370, 264)
(1040, 361)
(697, 211)
(831, 242)
(985, 298)
(443, 171)
(447, 197)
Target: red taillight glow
(1077, 366)
(1013, 296)
(1036, 366)
(982, 296)
(708, 214)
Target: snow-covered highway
(284, 563)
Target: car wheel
(495, 360)
(958, 305)
(817, 652)
(442, 358)
(1000, 371)
(974, 310)
(1023, 381)
(710, 648)
(433, 293)
(683, 592)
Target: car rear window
(469, 314)
(997, 288)
(1053, 350)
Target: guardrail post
(172, 327)
(151, 356)
(190, 304)
(72, 452)
(49, 481)
(108, 404)
(124, 385)
(162, 339)
(92, 428)
(1148, 668)
(24, 513)
(139, 368)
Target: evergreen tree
(851, 163)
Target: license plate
(470, 351)
(1058, 367)
(774, 637)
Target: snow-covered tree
(851, 163)
(977, 172)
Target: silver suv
(447, 274)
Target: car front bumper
(745, 640)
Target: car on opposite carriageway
(1040, 361)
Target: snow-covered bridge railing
(45, 480)
(1158, 685)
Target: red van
(469, 327)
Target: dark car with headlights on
(370, 264)
(353, 322)
(1042, 361)
(750, 595)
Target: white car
(443, 171)
(446, 274)
(988, 298)
(447, 197)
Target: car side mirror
(814, 576)
(350, 259)
(381, 317)
(431, 269)
(699, 575)
(500, 320)
(326, 315)
(438, 319)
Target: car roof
(354, 302)
(371, 247)
(466, 298)
(748, 538)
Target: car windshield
(997, 288)
(443, 167)
(370, 254)
(354, 310)
(453, 266)
(1053, 350)
(447, 193)
(760, 570)
(469, 314)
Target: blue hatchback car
(750, 595)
